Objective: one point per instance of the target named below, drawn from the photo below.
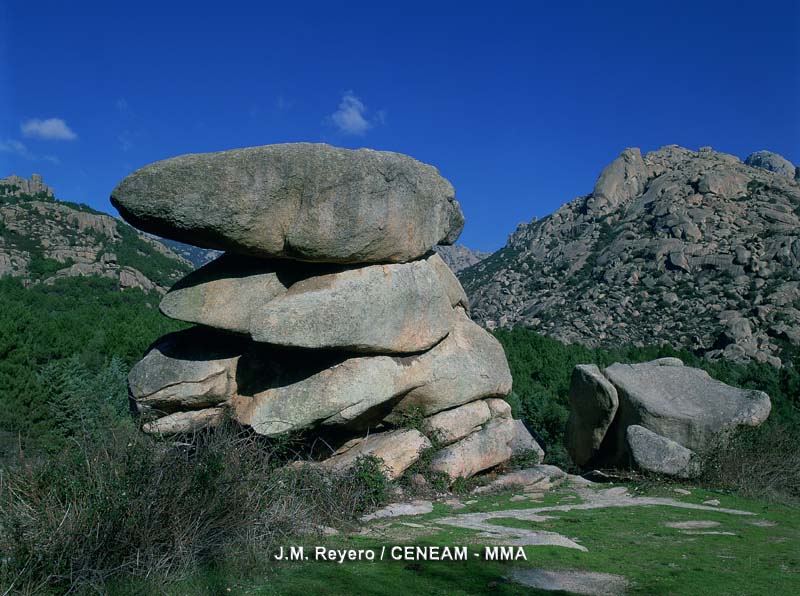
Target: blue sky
(520, 105)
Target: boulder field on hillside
(656, 416)
(328, 314)
(695, 249)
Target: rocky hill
(194, 254)
(692, 248)
(43, 239)
(460, 257)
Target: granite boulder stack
(328, 312)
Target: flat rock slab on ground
(399, 509)
(691, 525)
(484, 522)
(574, 582)
(533, 476)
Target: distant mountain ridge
(43, 239)
(460, 257)
(692, 248)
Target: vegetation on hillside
(30, 224)
(65, 352)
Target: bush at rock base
(757, 463)
(126, 505)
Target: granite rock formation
(328, 314)
(690, 248)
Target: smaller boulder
(191, 369)
(451, 425)
(395, 308)
(654, 453)
(479, 451)
(772, 162)
(523, 442)
(185, 422)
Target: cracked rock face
(301, 201)
(398, 308)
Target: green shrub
(412, 418)
(436, 481)
(126, 505)
(54, 338)
(368, 475)
(759, 462)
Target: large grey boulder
(655, 415)
(773, 162)
(304, 201)
(468, 364)
(593, 404)
(333, 396)
(654, 453)
(681, 403)
(189, 369)
(224, 293)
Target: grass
(629, 541)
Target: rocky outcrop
(772, 162)
(33, 187)
(43, 240)
(621, 181)
(665, 413)
(334, 348)
(690, 248)
(303, 201)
